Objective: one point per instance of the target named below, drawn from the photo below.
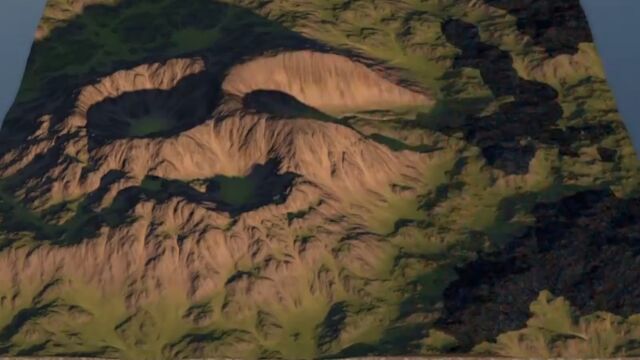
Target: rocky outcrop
(585, 247)
(557, 26)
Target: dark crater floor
(153, 113)
(146, 36)
(585, 247)
(264, 185)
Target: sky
(614, 27)
(18, 20)
(613, 23)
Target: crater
(263, 185)
(153, 113)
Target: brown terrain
(334, 165)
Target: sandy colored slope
(326, 153)
(327, 82)
(186, 250)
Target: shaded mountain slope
(569, 251)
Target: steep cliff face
(286, 179)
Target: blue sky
(614, 27)
(613, 23)
(18, 20)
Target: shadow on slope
(153, 113)
(585, 247)
(508, 137)
(557, 26)
(20, 222)
(282, 105)
(235, 195)
(133, 32)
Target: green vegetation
(148, 125)
(438, 342)
(236, 191)
(554, 331)
(65, 223)
(113, 32)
